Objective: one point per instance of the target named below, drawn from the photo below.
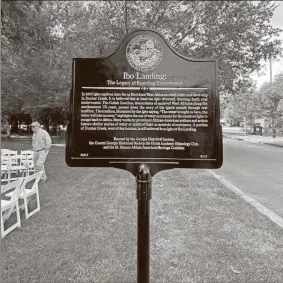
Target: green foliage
(30, 69)
(237, 33)
(271, 95)
(40, 38)
(244, 106)
(249, 103)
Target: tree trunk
(29, 125)
(245, 126)
(46, 126)
(58, 131)
(20, 123)
(8, 132)
(273, 128)
(14, 124)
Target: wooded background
(40, 38)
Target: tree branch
(126, 17)
(163, 12)
(186, 34)
(157, 11)
(181, 27)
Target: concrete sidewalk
(278, 141)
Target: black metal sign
(144, 103)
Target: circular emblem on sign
(144, 53)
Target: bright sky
(277, 66)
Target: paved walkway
(236, 133)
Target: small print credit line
(144, 158)
(159, 162)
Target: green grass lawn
(87, 227)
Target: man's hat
(35, 124)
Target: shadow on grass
(86, 231)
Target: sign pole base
(143, 195)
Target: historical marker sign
(144, 103)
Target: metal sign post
(143, 245)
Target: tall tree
(237, 33)
(271, 97)
(244, 106)
(30, 71)
(39, 39)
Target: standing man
(41, 142)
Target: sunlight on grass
(86, 231)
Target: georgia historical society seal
(144, 53)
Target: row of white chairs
(7, 151)
(15, 196)
(13, 164)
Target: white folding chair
(26, 193)
(8, 152)
(8, 206)
(5, 165)
(23, 152)
(13, 152)
(4, 151)
(17, 167)
(27, 160)
(14, 169)
(10, 166)
(5, 159)
(4, 174)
